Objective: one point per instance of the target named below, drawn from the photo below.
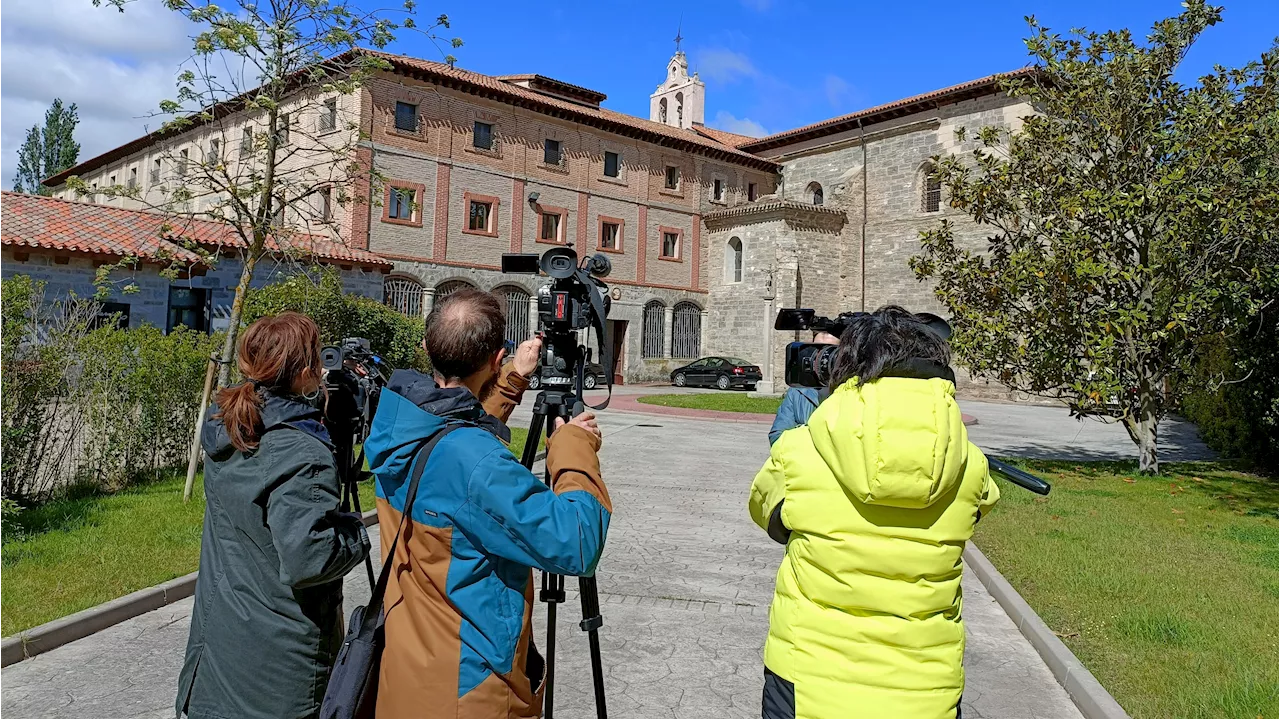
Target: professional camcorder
(576, 299)
(808, 364)
(353, 379)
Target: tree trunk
(237, 309)
(1142, 428)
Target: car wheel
(723, 382)
(678, 380)
(589, 381)
(535, 382)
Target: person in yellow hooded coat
(874, 498)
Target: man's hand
(586, 420)
(527, 355)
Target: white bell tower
(679, 100)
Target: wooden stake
(195, 441)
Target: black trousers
(779, 700)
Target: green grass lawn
(1165, 587)
(722, 401)
(89, 548)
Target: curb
(1090, 697)
(51, 635)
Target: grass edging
(1090, 697)
(64, 630)
(51, 635)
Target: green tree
(1130, 218)
(48, 150)
(264, 135)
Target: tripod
(552, 404)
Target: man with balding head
(460, 595)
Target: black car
(719, 372)
(592, 378)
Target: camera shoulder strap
(374, 609)
(606, 348)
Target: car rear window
(736, 361)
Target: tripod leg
(591, 623)
(552, 586)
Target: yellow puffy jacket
(880, 491)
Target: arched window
(654, 317)
(517, 302)
(662, 109)
(930, 188)
(679, 109)
(815, 192)
(686, 331)
(733, 260)
(403, 295)
(444, 289)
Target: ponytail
(241, 413)
(274, 351)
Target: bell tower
(679, 100)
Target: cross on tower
(678, 38)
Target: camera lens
(822, 361)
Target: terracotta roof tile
(54, 224)
(732, 139)
(875, 114)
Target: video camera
(809, 365)
(575, 299)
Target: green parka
(267, 622)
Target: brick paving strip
(685, 585)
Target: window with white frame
(733, 260)
(403, 295)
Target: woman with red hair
(267, 622)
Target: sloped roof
(732, 139)
(476, 84)
(83, 227)
(879, 113)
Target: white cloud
(741, 126)
(837, 90)
(115, 66)
(724, 65)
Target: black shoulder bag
(353, 686)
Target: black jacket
(267, 622)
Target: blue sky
(776, 65)
(769, 65)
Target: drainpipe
(862, 245)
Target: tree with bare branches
(264, 135)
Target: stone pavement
(684, 587)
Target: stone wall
(149, 304)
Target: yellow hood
(893, 442)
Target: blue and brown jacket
(460, 597)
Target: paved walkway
(685, 585)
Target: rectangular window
(751, 192)
(673, 178)
(329, 115)
(215, 150)
(549, 227)
(133, 177)
(246, 142)
(671, 245)
(482, 136)
(325, 201)
(717, 190)
(113, 314)
(183, 156)
(406, 117)
(282, 128)
(608, 235)
(188, 307)
(155, 171)
(551, 152)
(932, 193)
(479, 216)
(611, 164)
(400, 205)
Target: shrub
(395, 337)
(1239, 418)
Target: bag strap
(374, 609)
